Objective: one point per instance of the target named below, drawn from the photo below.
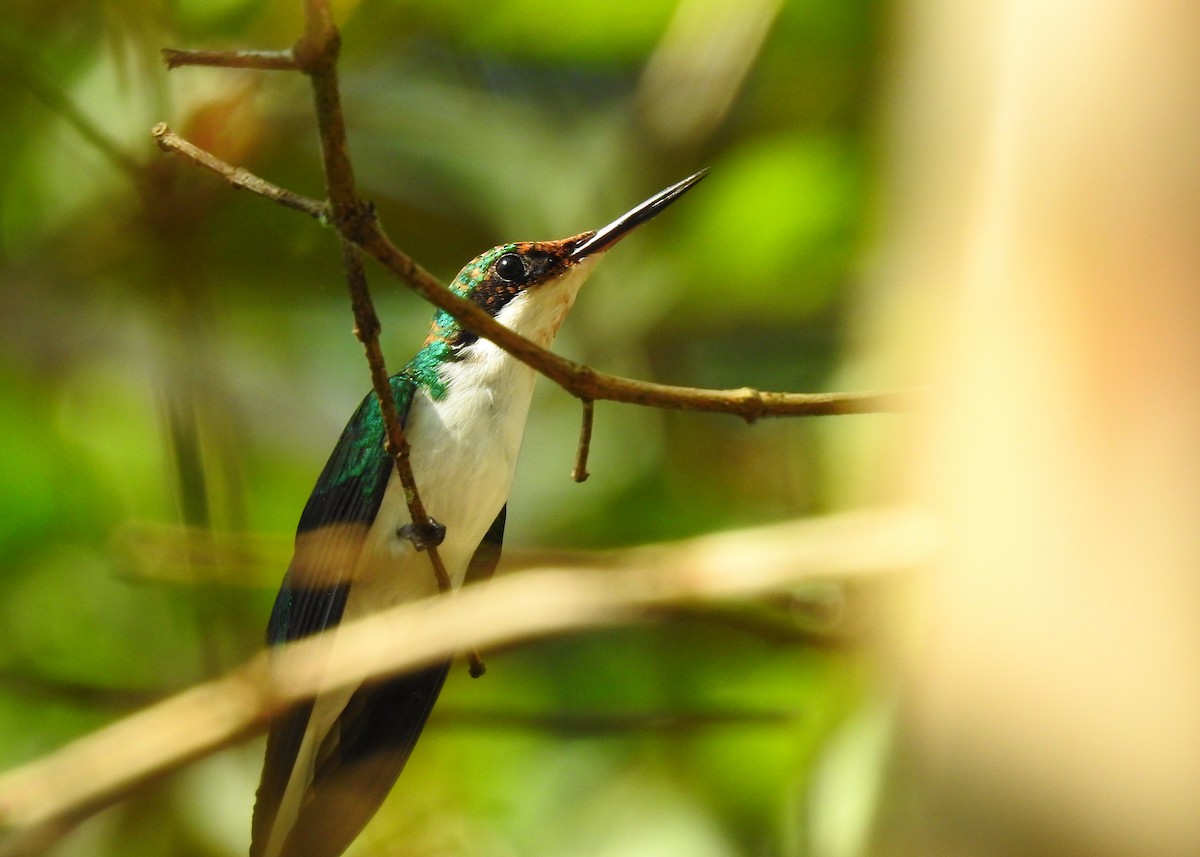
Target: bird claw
(423, 536)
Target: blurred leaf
(778, 227)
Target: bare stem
(265, 60)
(580, 472)
(239, 178)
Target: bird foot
(423, 536)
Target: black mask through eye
(511, 268)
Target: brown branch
(583, 382)
(42, 797)
(577, 379)
(580, 472)
(316, 56)
(265, 60)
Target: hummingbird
(463, 403)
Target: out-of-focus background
(996, 201)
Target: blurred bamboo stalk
(1046, 186)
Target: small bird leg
(430, 534)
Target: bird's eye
(510, 268)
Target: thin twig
(265, 60)
(580, 472)
(40, 798)
(316, 55)
(239, 178)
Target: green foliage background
(176, 361)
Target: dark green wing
(329, 537)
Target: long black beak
(635, 217)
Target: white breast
(464, 451)
(463, 454)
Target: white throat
(538, 312)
